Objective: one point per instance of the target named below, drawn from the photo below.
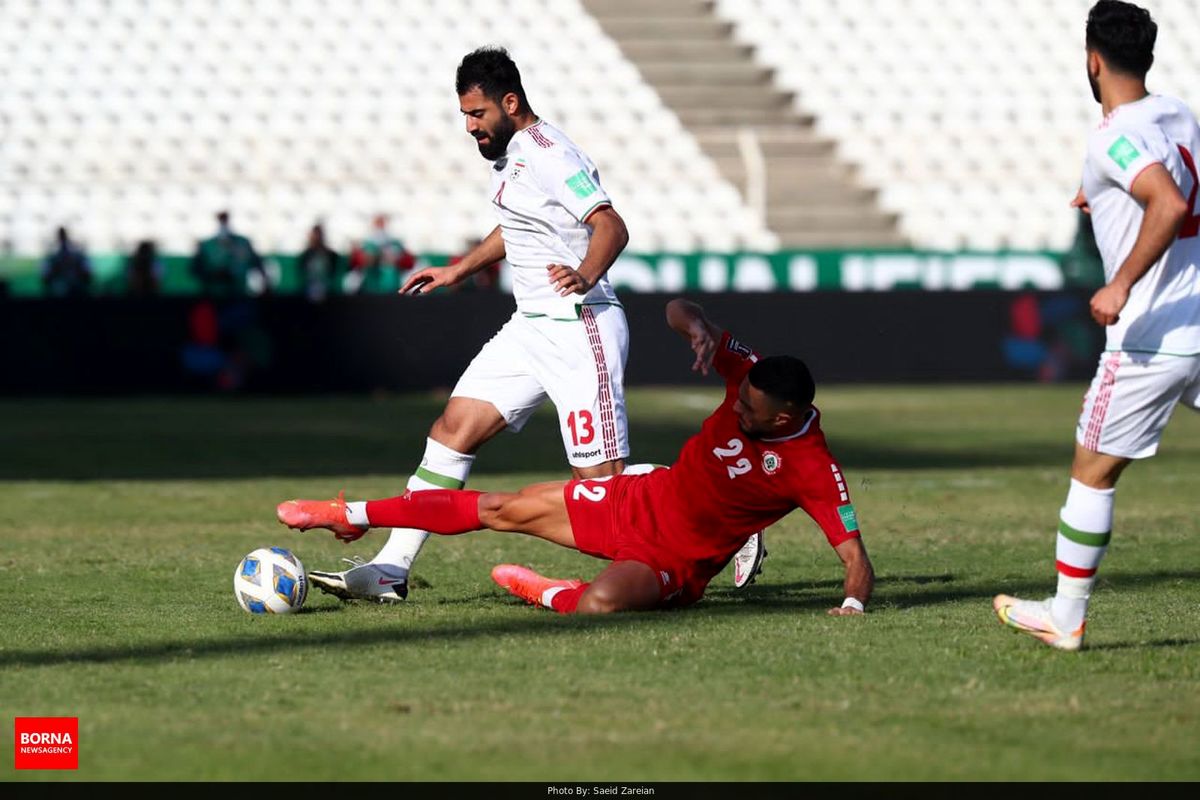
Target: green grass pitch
(123, 522)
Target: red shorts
(611, 520)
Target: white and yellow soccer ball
(270, 580)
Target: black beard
(498, 141)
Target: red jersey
(726, 485)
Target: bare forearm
(860, 575)
(609, 237)
(1160, 226)
(860, 580)
(684, 317)
(489, 251)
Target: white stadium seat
(200, 104)
(939, 101)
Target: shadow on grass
(1153, 644)
(902, 591)
(182, 439)
(721, 603)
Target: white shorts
(1131, 399)
(578, 364)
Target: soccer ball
(270, 580)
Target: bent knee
(603, 600)
(597, 603)
(496, 511)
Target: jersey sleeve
(572, 181)
(1121, 154)
(733, 359)
(825, 497)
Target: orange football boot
(527, 584)
(304, 515)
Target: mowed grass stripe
(125, 520)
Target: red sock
(444, 511)
(566, 601)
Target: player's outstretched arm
(860, 577)
(489, 251)
(609, 237)
(688, 320)
(1166, 210)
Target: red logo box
(46, 742)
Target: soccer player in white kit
(1140, 186)
(567, 340)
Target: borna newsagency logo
(46, 742)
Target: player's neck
(1120, 91)
(526, 120)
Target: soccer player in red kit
(667, 532)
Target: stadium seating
(970, 116)
(129, 119)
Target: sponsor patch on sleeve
(736, 347)
(849, 518)
(1123, 152)
(581, 184)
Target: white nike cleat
(378, 583)
(1034, 617)
(747, 564)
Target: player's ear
(511, 104)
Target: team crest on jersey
(516, 170)
(771, 462)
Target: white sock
(548, 596)
(441, 468)
(1085, 527)
(356, 513)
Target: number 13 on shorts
(580, 425)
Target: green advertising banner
(790, 271)
(839, 271)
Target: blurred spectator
(66, 271)
(224, 263)
(143, 270)
(318, 265)
(226, 344)
(487, 279)
(378, 262)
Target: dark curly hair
(492, 70)
(1123, 34)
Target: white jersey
(543, 189)
(1163, 311)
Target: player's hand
(1081, 202)
(1107, 303)
(426, 280)
(704, 346)
(567, 281)
(844, 612)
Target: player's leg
(465, 424)
(493, 394)
(538, 510)
(1122, 420)
(622, 586)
